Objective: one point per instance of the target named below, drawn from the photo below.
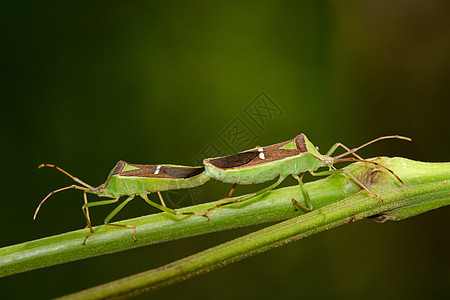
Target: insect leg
(262, 191)
(160, 207)
(169, 210)
(330, 172)
(335, 146)
(349, 176)
(115, 211)
(230, 193)
(161, 199)
(361, 185)
(325, 173)
(192, 213)
(85, 210)
(305, 195)
(374, 163)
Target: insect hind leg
(246, 197)
(166, 209)
(230, 193)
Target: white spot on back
(261, 153)
(157, 170)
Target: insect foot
(296, 204)
(206, 216)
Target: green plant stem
(424, 182)
(351, 209)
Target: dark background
(86, 84)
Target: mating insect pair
(293, 157)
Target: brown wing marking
(148, 171)
(235, 160)
(249, 159)
(182, 172)
(141, 171)
(274, 155)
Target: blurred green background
(87, 84)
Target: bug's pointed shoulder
(117, 170)
(123, 168)
(300, 142)
(120, 166)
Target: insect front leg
(305, 195)
(360, 184)
(85, 210)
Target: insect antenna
(371, 142)
(56, 191)
(67, 173)
(86, 187)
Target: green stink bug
(293, 157)
(131, 180)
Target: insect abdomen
(253, 175)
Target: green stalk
(425, 183)
(351, 209)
